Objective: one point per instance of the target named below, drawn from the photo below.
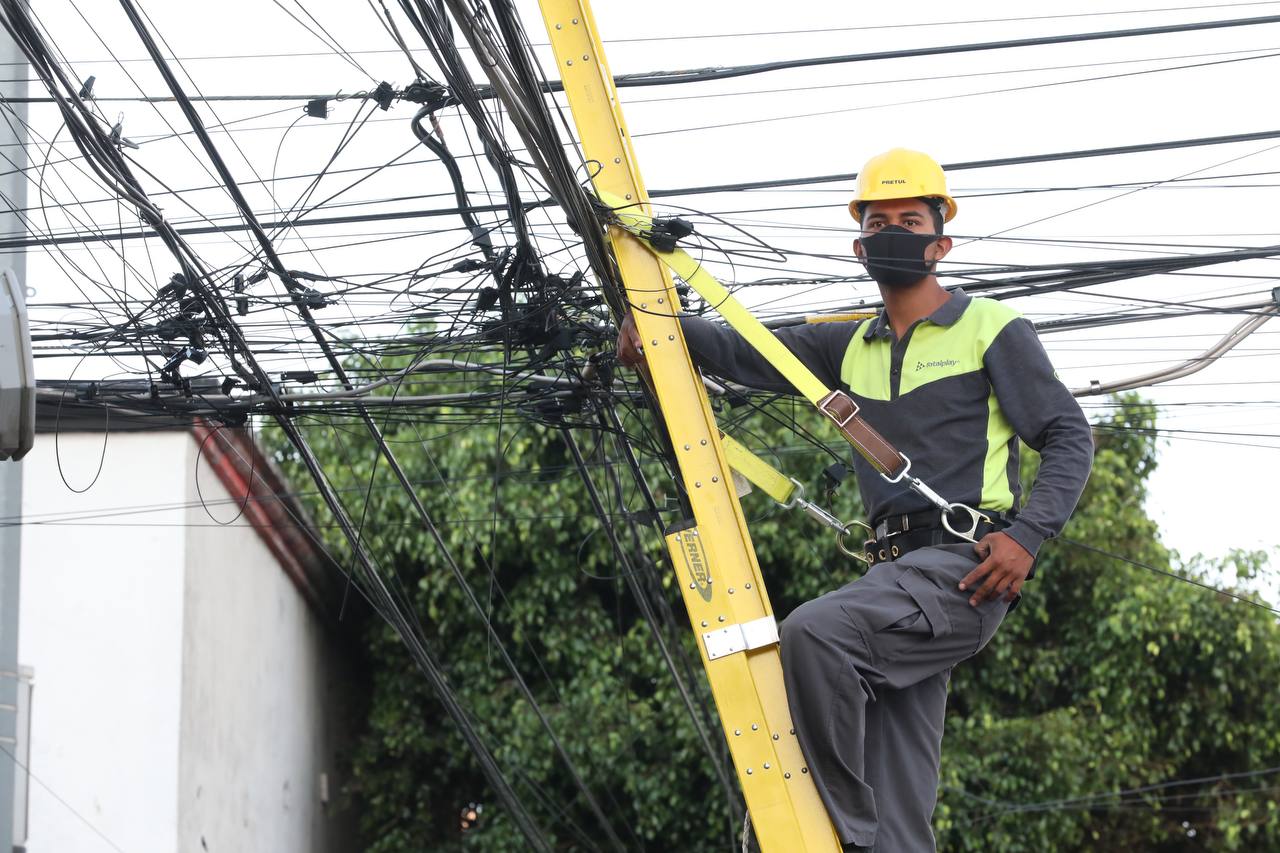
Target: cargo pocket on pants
(917, 617)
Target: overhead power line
(1166, 573)
(701, 75)
(667, 78)
(1086, 799)
(657, 193)
(169, 99)
(984, 164)
(922, 24)
(299, 54)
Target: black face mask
(895, 256)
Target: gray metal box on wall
(17, 371)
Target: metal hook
(842, 528)
(861, 553)
(975, 517)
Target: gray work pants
(866, 669)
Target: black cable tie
(665, 233)
(384, 95)
(470, 265)
(480, 237)
(313, 299)
(835, 473)
(662, 242)
(189, 353)
(487, 299)
(832, 476)
(260, 275)
(242, 302)
(682, 293)
(428, 93)
(175, 288)
(681, 228)
(191, 306)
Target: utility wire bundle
(516, 316)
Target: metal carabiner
(941, 503)
(861, 554)
(975, 517)
(820, 515)
(919, 486)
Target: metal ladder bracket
(741, 637)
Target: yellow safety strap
(734, 312)
(789, 493)
(762, 475)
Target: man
(952, 382)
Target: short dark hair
(934, 205)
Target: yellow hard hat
(901, 173)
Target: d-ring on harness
(838, 406)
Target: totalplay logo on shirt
(922, 365)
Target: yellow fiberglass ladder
(719, 577)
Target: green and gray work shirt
(955, 395)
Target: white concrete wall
(257, 714)
(101, 624)
(184, 690)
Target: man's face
(912, 214)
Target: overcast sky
(1214, 487)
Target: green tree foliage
(1109, 678)
(1106, 679)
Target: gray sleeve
(1044, 415)
(718, 349)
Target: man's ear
(938, 249)
(858, 251)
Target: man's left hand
(1005, 565)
